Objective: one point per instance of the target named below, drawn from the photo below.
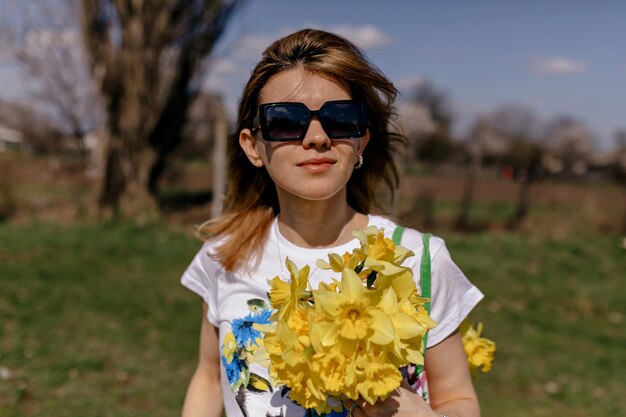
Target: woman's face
(315, 168)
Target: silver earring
(359, 162)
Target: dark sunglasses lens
(285, 122)
(344, 120)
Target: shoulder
(411, 238)
(205, 261)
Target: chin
(318, 193)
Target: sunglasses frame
(260, 120)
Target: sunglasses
(340, 119)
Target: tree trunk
(123, 189)
(219, 165)
(148, 58)
(623, 229)
(462, 222)
(167, 133)
(523, 205)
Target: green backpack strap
(425, 274)
(424, 268)
(397, 235)
(425, 277)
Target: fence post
(219, 164)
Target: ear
(248, 142)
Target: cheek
(349, 150)
(267, 149)
(352, 145)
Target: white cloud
(224, 66)
(250, 47)
(409, 82)
(556, 65)
(229, 72)
(366, 36)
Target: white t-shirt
(232, 307)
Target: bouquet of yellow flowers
(347, 338)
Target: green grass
(93, 321)
(556, 311)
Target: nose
(316, 136)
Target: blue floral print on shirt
(245, 334)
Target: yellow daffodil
(380, 377)
(291, 365)
(402, 284)
(380, 253)
(479, 350)
(409, 329)
(287, 296)
(350, 314)
(309, 394)
(331, 367)
(418, 312)
(280, 292)
(381, 248)
(338, 263)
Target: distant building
(10, 139)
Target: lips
(318, 161)
(317, 165)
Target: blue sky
(558, 57)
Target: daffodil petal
(386, 268)
(322, 264)
(328, 301)
(383, 328)
(291, 267)
(403, 284)
(303, 276)
(388, 302)
(351, 284)
(361, 236)
(401, 253)
(336, 262)
(414, 356)
(327, 333)
(406, 326)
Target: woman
(313, 143)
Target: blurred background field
(94, 321)
(516, 156)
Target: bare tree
(41, 39)
(489, 139)
(435, 144)
(482, 140)
(620, 170)
(508, 136)
(149, 58)
(571, 142)
(520, 128)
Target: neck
(318, 224)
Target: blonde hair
(251, 202)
